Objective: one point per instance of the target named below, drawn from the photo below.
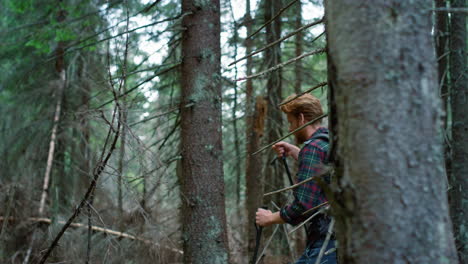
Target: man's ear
(301, 119)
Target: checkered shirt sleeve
(308, 195)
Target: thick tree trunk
(202, 191)
(274, 174)
(459, 97)
(390, 204)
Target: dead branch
(279, 40)
(101, 164)
(272, 19)
(175, 109)
(267, 244)
(327, 240)
(297, 184)
(281, 65)
(53, 138)
(108, 231)
(141, 83)
(307, 220)
(314, 208)
(307, 91)
(290, 133)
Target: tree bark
(202, 187)
(298, 49)
(120, 168)
(390, 201)
(254, 179)
(459, 98)
(441, 41)
(300, 239)
(255, 117)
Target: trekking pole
(286, 167)
(257, 240)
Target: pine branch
(280, 40)
(281, 65)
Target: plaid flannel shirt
(311, 159)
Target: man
(312, 157)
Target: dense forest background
(95, 125)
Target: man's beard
(299, 137)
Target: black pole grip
(257, 239)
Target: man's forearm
(275, 218)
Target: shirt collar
(320, 130)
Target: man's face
(294, 123)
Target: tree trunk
(298, 46)
(390, 205)
(254, 179)
(441, 41)
(300, 239)
(120, 168)
(59, 85)
(255, 116)
(82, 182)
(274, 174)
(459, 176)
(202, 187)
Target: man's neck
(310, 130)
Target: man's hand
(283, 148)
(265, 217)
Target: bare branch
(98, 169)
(298, 184)
(267, 244)
(280, 40)
(306, 221)
(327, 239)
(307, 91)
(281, 65)
(141, 83)
(272, 19)
(108, 231)
(314, 208)
(290, 133)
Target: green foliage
(20, 6)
